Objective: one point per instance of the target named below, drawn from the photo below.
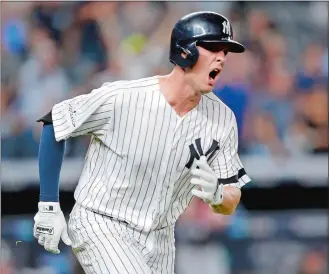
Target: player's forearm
(51, 155)
(231, 199)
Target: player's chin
(211, 83)
(207, 88)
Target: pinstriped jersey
(137, 167)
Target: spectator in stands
(313, 262)
(272, 111)
(78, 68)
(298, 138)
(92, 44)
(311, 72)
(14, 36)
(41, 83)
(54, 17)
(41, 80)
(276, 99)
(263, 136)
(311, 99)
(313, 113)
(258, 23)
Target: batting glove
(50, 226)
(211, 191)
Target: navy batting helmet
(206, 28)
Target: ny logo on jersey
(196, 151)
(226, 28)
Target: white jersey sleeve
(90, 113)
(227, 165)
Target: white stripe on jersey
(136, 168)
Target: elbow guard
(47, 119)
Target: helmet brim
(231, 45)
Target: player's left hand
(205, 178)
(50, 226)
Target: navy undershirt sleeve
(51, 154)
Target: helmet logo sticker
(226, 28)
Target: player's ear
(184, 55)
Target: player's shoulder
(126, 86)
(211, 98)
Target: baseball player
(155, 144)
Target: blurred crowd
(51, 51)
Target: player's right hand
(205, 178)
(50, 226)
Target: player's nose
(221, 56)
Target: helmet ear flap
(192, 55)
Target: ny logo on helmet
(226, 28)
(196, 151)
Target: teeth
(216, 70)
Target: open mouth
(213, 73)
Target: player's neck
(178, 93)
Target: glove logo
(45, 230)
(49, 208)
(196, 151)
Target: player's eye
(213, 47)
